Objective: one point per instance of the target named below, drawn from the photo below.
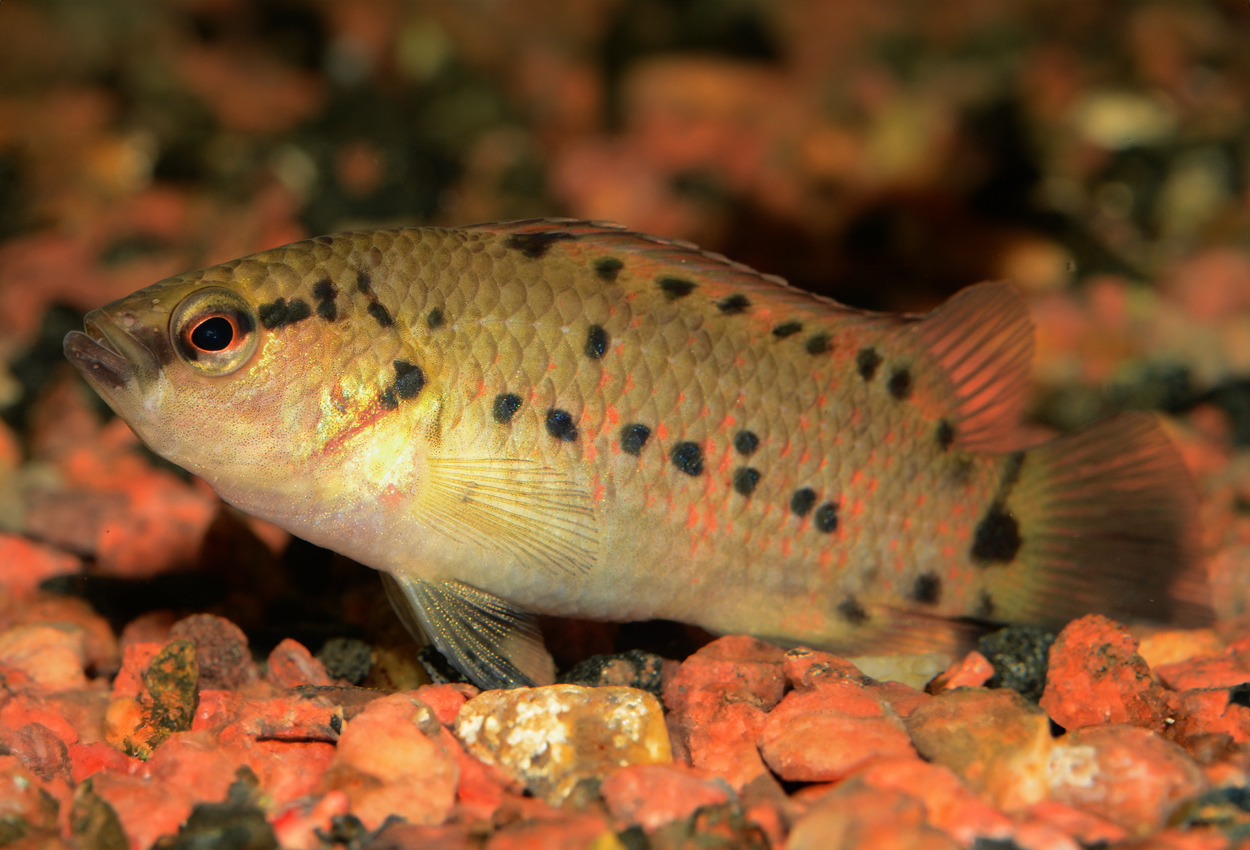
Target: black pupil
(213, 334)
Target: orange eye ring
(214, 331)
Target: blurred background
(883, 152)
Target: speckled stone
(552, 738)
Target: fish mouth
(107, 355)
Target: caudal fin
(1107, 523)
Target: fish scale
(569, 418)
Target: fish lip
(107, 354)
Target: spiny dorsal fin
(531, 512)
(492, 642)
(982, 339)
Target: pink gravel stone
(51, 655)
(1096, 676)
(856, 817)
(290, 665)
(24, 564)
(825, 733)
(1125, 774)
(399, 742)
(652, 795)
(971, 671)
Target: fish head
(190, 366)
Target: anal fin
(494, 643)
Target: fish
(556, 417)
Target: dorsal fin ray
(982, 340)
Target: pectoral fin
(492, 642)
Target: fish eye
(213, 331)
(213, 334)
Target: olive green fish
(568, 418)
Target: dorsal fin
(982, 339)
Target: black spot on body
(596, 342)
(561, 426)
(745, 480)
(852, 612)
(409, 379)
(900, 384)
(866, 363)
(676, 287)
(961, 470)
(328, 310)
(281, 313)
(435, 319)
(634, 437)
(927, 588)
(380, 314)
(688, 457)
(388, 399)
(985, 606)
(817, 343)
(363, 282)
(734, 304)
(826, 517)
(945, 434)
(608, 268)
(746, 442)
(506, 406)
(802, 502)
(535, 245)
(997, 538)
(786, 329)
(324, 289)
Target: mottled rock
(1213, 711)
(807, 668)
(743, 668)
(724, 825)
(1223, 670)
(237, 822)
(346, 658)
(398, 743)
(551, 738)
(165, 705)
(1096, 676)
(1128, 775)
(996, 741)
(824, 733)
(221, 650)
(23, 800)
(651, 795)
(565, 831)
(39, 749)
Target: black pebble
(1020, 656)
